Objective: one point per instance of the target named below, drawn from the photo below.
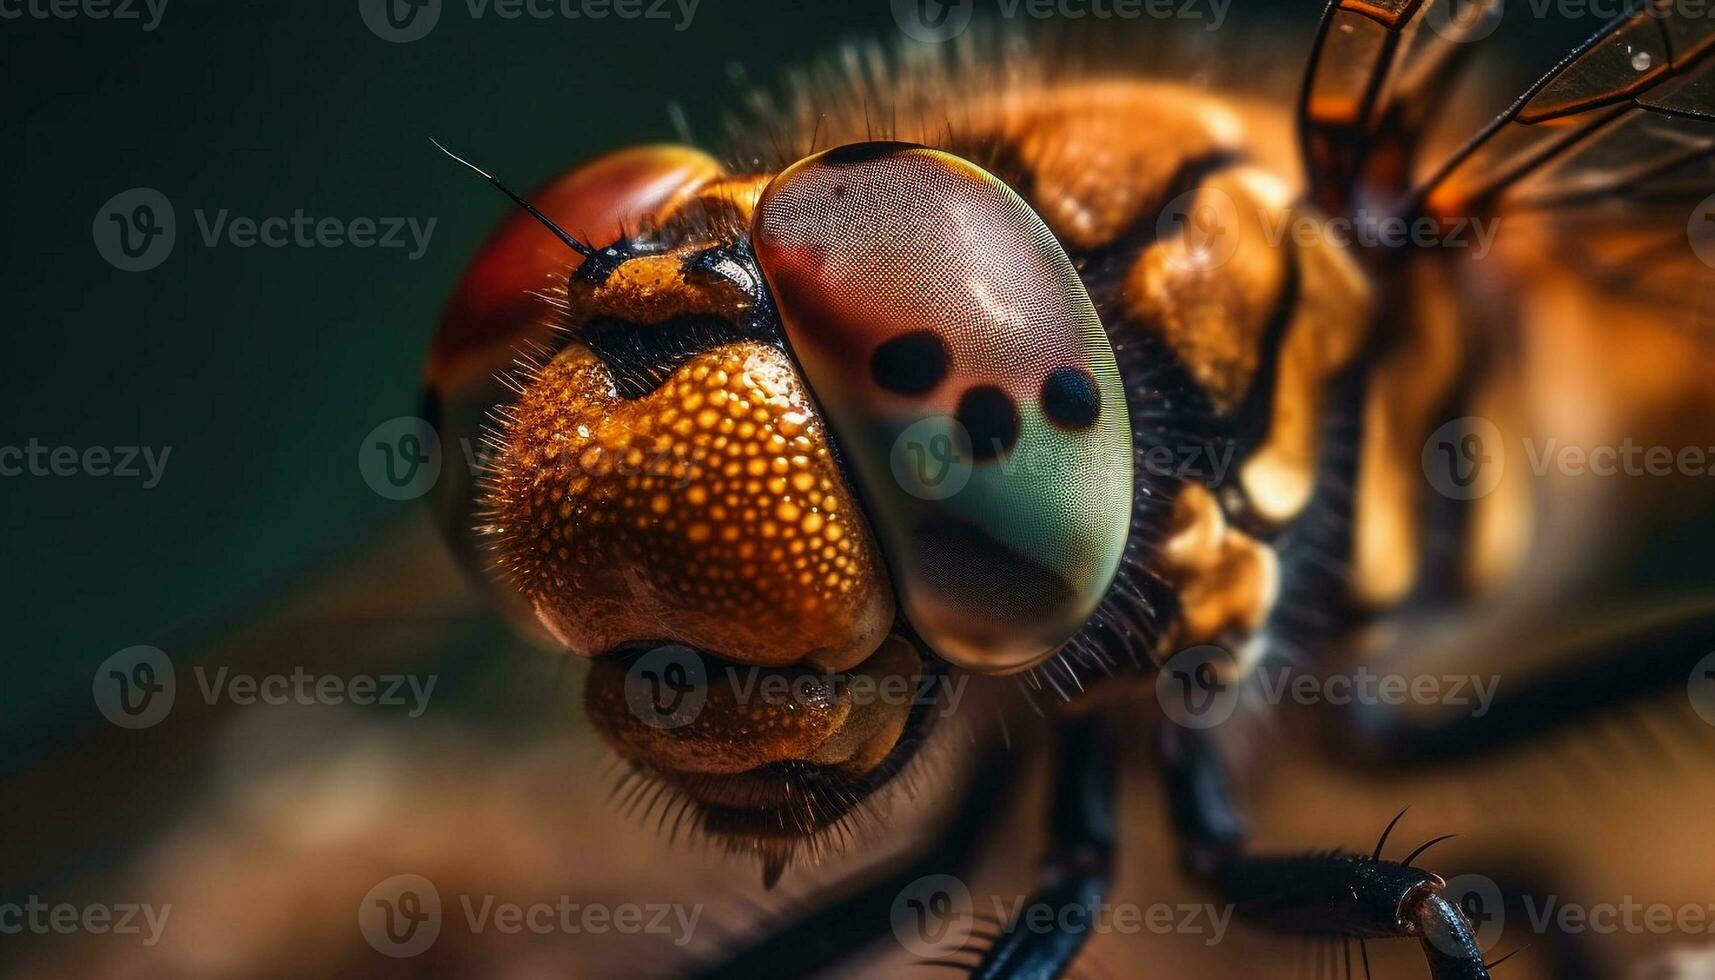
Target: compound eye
(497, 310)
(708, 513)
(967, 376)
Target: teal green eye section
(970, 384)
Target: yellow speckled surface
(708, 512)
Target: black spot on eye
(839, 190)
(842, 156)
(1070, 398)
(910, 365)
(991, 418)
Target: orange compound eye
(497, 310)
(708, 512)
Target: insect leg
(1319, 894)
(1077, 871)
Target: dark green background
(263, 368)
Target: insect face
(670, 470)
(878, 413)
(703, 450)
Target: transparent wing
(1368, 90)
(1607, 161)
(1630, 111)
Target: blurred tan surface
(294, 814)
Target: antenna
(560, 233)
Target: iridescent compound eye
(968, 379)
(496, 314)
